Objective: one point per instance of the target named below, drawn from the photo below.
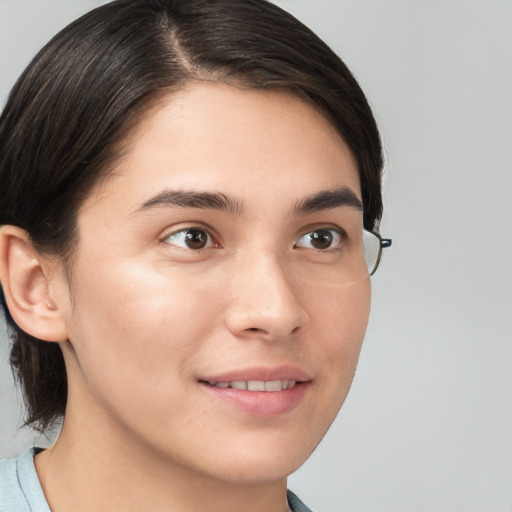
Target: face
(208, 263)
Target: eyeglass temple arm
(384, 242)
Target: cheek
(341, 315)
(340, 320)
(138, 298)
(135, 329)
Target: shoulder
(296, 504)
(20, 490)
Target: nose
(264, 303)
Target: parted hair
(71, 109)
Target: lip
(285, 372)
(262, 404)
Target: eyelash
(194, 234)
(192, 230)
(336, 235)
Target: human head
(70, 112)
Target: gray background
(428, 423)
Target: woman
(188, 194)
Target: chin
(265, 459)
(261, 471)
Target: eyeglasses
(354, 259)
(373, 245)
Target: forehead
(215, 137)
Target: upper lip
(260, 373)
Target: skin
(145, 317)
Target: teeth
(275, 385)
(257, 385)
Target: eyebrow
(324, 200)
(190, 199)
(327, 200)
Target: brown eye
(320, 239)
(190, 238)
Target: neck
(89, 470)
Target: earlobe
(25, 277)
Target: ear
(26, 281)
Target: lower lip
(264, 404)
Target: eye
(190, 238)
(320, 239)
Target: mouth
(254, 385)
(259, 392)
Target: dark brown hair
(75, 102)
